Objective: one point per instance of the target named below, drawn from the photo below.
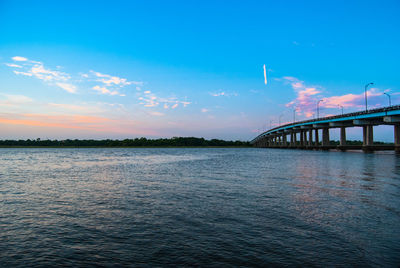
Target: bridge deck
(277, 137)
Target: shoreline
(69, 147)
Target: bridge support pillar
(370, 133)
(364, 135)
(294, 138)
(301, 137)
(305, 138)
(284, 140)
(342, 136)
(310, 137)
(397, 138)
(368, 137)
(325, 137)
(291, 139)
(316, 138)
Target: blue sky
(124, 69)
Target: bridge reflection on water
(305, 134)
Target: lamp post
(390, 101)
(341, 107)
(365, 93)
(294, 114)
(280, 119)
(318, 108)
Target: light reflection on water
(207, 207)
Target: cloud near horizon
(78, 122)
(308, 96)
(94, 123)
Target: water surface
(198, 207)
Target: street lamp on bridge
(280, 119)
(294, 114)
(390, 101)
(365, 93)
(341, 107)
(318, 107)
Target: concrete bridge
(305, 134)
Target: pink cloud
(350, 100)
(307, 98)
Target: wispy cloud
(22, 73)
(114, 80)
(13, 65)
(109, 85)
(149, 99)
(67, 87)
(19, 58)
(173, 102)
(36, 69)
(48, 75)
(205, 110)
(223, 94)
(14, 100)
(104, 90)
(101, 83)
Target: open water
(198, 207)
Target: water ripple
(198, 207)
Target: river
(198, 207)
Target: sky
(212, 69)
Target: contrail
(265, 75)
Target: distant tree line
(138, 142)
